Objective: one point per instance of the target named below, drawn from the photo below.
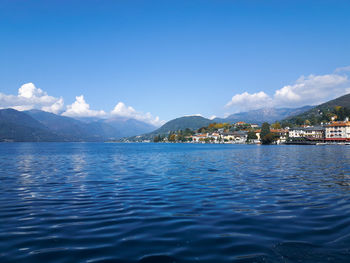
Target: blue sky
(172, 58)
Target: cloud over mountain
(30, 97)
(122, 110)
(309, 90)
(79, 108)
(250, 101)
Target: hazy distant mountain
(18, 126)
(123, 126)
(91, 129)
(37, 125)
(315, 112)
(263, 115)
(74, 130)
(129, 127)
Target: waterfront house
(240, 136)
(314, 132)
(281, 135)
(296, 133)
(338, 132)
(228, 136)
(199, 137)
(310, 133)
(215, 137)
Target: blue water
(95, 202)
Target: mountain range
(37, 125)
(264, 115)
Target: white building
(338, 131)
(308, 132)
(296, 133)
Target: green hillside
(182, 123)
(323, 112)
(190, 122)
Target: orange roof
(200, 135)
(339, 124)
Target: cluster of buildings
(334, 132)
(221, 137)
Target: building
(296, 133)
(338, 132)
(199, 137)
(311, 133)
(314, 132)
(240, 136)
(228, 136)
(215, 137)
(281, 135)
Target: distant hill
(182, 123)
(18, 126)
(74, 130)
(263, 115)
(129, 127)
(190, 122)
(37, 125)
(315, 114)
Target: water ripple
(91, 202)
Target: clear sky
(172, 58)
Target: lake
(106, 202)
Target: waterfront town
(335, 132)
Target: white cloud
(80, 108)
(342, 69)
(30, 97)
(310, 90)
(246, 101)
(122, 110)
(212, 117)
(54, 108)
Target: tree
(202, 130)
(180, 138)
(157, 138)
(265, 129)
(172, 138)
(251, 136)
(188, 132)
(276, 125)
(266, 137)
